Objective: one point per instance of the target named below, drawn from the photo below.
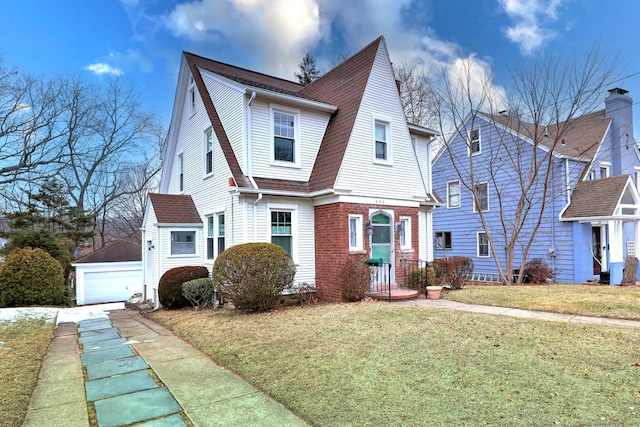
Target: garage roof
(118, 251)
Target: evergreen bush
(30, 276)
(170, 285)
(253, 275)
(199, 292)
(418, 281)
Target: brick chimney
(618, 107)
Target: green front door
(381, 238)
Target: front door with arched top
(382, 241)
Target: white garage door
(111, 286)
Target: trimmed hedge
(253, 275)
(537, 271)
(354, 276)
(170, 285)
(453, 271)
(199, 292)
(31, 277)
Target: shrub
(170, 285)
(537, 271)
(199, 292)
(453, 271)
(43, 239)
(31, 277)
(354, 276)
(253, 275)
(417, 279)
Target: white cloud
(277, 32)
(529, 17)
(103, 68)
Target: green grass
(379, 364)
(602, 301)
(24, 344)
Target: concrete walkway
(515, 312)
(139, 372)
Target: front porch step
(396, 294)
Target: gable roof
(174, 209)
(579, 137)
(343, 86)
(118, 251)
(596, 198)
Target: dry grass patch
(602, 301)
(24, 344)
(382, 364)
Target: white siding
(359, 173)
(312, 125)
(229, 103)
(150, 234)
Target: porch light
(369, 227)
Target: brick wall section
(332, 241)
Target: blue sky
(142, 40)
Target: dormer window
(208, 152)
(191, 97)
(285, 150)
(475, 146)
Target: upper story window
(208, 149)
(481, 199)
(453, 194)
(180, 172)
(475, 146)
(183, 243)
(284, 137)
(605, 168)
(382, 140)
(355, 233)
(192, 96)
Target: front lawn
(23, 345)
(378, 364)
(602, 301)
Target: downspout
(255, 217)
(552, 249)
(567, 179)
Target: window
(404, 232)
(483, 245)
(453, 194)
(208, 152)
(592, 175)
(381, 141)
(215, 235)
(183, 243)
(604, 170)
(192, 96)
(283, 137)
(355, 233)
(281, 229)
(474, 141)
(443, 240)
(180, 173)
(481, 202)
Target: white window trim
(359, 235)
(191, 96)
(294, 225)
(607, 167)
(195, 243)
(273, 108)
(475, 205)
(637, 176)
(469, 150)
(181, 172)
(407, 233)
(450, 206)
(216, 234)
(478, 245)
(389, 134)
(204, 148)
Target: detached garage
(110, 274)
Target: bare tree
(416, 94)
(29, 126)
(549, 97)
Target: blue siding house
(584, 219)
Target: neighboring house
(110, 274)
(591, 220)
(254, 158)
